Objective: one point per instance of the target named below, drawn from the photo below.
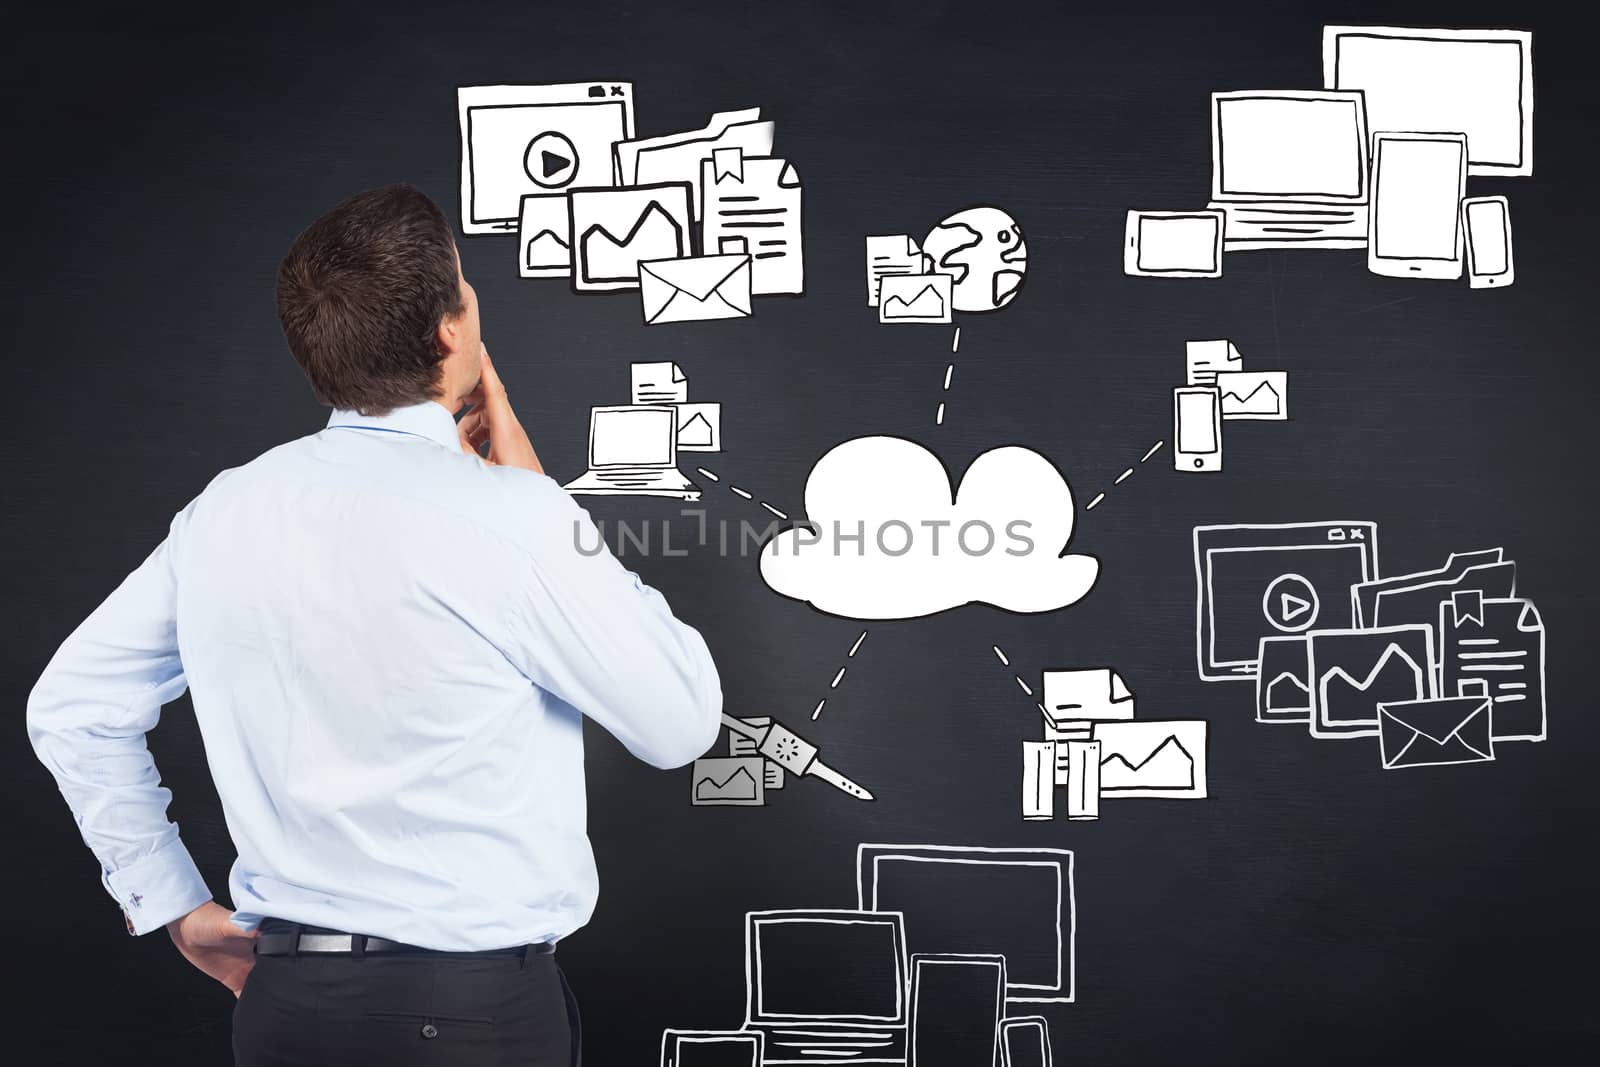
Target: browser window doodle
(518, 140)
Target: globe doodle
(983, 250)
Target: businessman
(391, 637)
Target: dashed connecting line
(743, 493)
(955, 343)
(1124, 476)
(1025, 687)
(747, 495)
(838, 677)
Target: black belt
(279, 938)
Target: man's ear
(448, 336)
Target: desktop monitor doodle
(838, 966)
(1293, 145)
(948, 896)
(1475, 82)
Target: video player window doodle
(1237, 565)
(520, 140)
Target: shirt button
(429, 1030)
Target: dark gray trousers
(449, 1010)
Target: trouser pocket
(402, 1036)
(574, 1021)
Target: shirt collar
(429, 419)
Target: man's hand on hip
(491, 419)
(208, 938)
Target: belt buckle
(326, 944)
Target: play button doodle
(551, 160)
(1290, 603)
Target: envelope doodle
(1436, 733)
(695, 289)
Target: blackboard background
(1316, 910)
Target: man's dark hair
(361, 295)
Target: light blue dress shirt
(390, 646)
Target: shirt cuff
(158, 888)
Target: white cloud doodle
(887, 538)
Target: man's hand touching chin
(208, 938)
(492, 421)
